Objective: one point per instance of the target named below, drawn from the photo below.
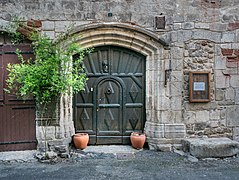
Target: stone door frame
(159, 104)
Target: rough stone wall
(202, 35)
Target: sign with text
(199, 86)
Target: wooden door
(113, 103)
(17, 117)
(109, 111)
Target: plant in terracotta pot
(81, 140)
(137, 139)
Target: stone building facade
(176, 37)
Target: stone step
(210, 147)
(111, 149)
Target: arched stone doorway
(113, 103)
(162, 107)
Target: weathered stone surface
(236, 134)
(228, 37)
(214, 115)
(206, 34)
(210, 147)
(175, 131)
(51, 154)
(234, 80)
(48, 25)
(233, 116)
(220, 62)
(219, 95)
(202, 116)
(202, 25)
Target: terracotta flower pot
(81, 140)
(137, 139)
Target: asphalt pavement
(141, 165)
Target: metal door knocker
(105, 66)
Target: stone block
(228, 37)
(176, 103)
(164, 103)
(226, 46)
(234, 81)
(223, 113)
(163, 147)
(232, 116)
(184, 35)
(48, 25)
(202, 116)
(202, 25)
(218, 27)
(220, 62)
(61, 26)
(154, 130)
(177, 26)
(214, 114)
(177, 53)
(235, 134)
(188, 25)
(206, 34)
(210, 147)
(230, 94)
(177, 76)
(176, 65)
(174, 89)
(237, 96)
(175, 131)
(170, 117)
(221, 80)
(219, 96)
(235, 45)
(189, 117)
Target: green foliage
(11, 29)
(51, 73)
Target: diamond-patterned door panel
(109, 107)
(134, 91)
(134, 119)
(84, 121)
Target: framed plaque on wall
(199, 86)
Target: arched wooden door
(113, 103)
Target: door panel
(113, 104)
(109, 111)
(17, 116)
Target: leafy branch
(51, 73)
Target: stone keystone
(210, 147)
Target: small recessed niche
(159, 22)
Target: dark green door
(113, 103)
